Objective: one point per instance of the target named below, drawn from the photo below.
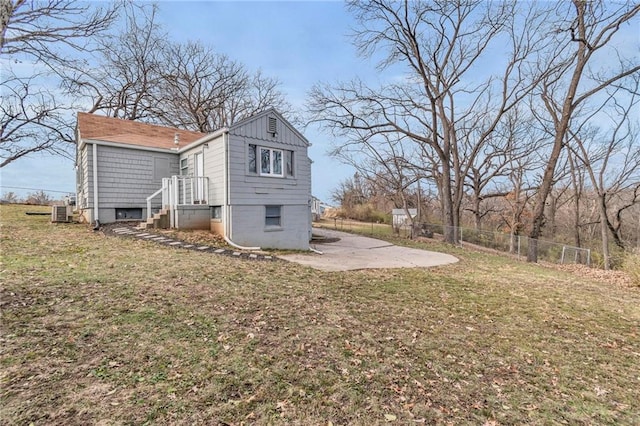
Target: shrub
(363, 213)
(631, 266)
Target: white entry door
(199, 181)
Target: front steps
(159, 220)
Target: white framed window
(273, 216)
(271, 162)
(184, 167)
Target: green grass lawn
(98, 329)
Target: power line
(35, 189)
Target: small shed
(400, 217)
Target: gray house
(250, 182)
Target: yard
(98, 329)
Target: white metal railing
(179, 191)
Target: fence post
(518, 247)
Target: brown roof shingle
(99, 127)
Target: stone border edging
(127, 231)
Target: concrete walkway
(353, 252)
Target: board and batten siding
(256, 128)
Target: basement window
(216, 212)
(273, 216)
(129, 214)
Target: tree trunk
(476, 212)
(448, 219)
(561, 126)
(604, 232)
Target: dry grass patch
(105, 330)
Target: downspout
(315, 250)
(226, 209)
(95, 188)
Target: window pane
(272, 215)
(184, 166)
(216, 212)
(265, 161)
(252, 159)
(277, 162)
(289, 166)
(272, 221)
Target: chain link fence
(516, 245)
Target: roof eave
(204, 139)
(126, 146)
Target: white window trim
(184, 166)
(271, 157)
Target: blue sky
(298, 42)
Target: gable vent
(272, 126)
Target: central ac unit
(61, 214)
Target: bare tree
(141, 75)
(577, 174)
(43, 36)
(445, 97)
(612, 161)
(204, 91)
(39, 198)
(126, 80)
(37, 30)
(351, 191)
(197, 83)
(585, 29)
(32, 121)
(507, 154)
(10, 197)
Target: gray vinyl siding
(248, 227)
(126, 176)
(249, 192)
(248, 188)
(213, 168)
